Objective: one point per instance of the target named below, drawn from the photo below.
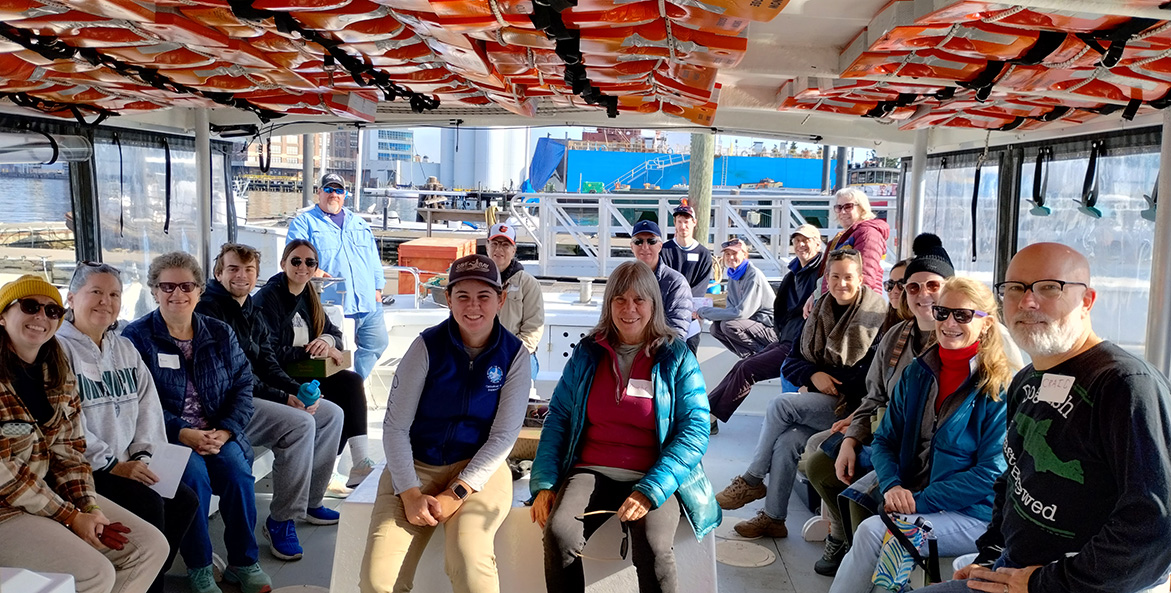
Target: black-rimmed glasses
(1047, 289)
(624, 547)
(890, 285)
(962, 316)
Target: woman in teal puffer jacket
(626, 430)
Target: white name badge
(640, 388)
(1054, 388)
(692, 257)
(168, 361)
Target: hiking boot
(359, 472)
(322, 516)
(835, 551)
(739, 493)
(282, 539)
(250, 578)
(202, 580)
(762, 525)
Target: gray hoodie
(120, 409)
(750, 297)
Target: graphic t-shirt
(1088, 473)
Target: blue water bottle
(309, 393)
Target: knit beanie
(930, 256)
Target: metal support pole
(843, 167)
(203, 182)
(826, 160)
(913, 217)
(699, 185)
(1008, 209)
(1158, 348)
(306, 170)
(604, 237)
(86, 221)
(358, 172)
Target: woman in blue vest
(455, 409)
(626, 430)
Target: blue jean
(536, 366)
(789, 422)
(371, 339)
(229, 475)
(955, 533)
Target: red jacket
(869, 238)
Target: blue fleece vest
(460, 396)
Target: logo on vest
(495, 375)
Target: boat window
(947, 212)
(36, 226)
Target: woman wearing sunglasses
(938, 448)
(863, 231)
(120, 407)
(300, 329)
(626, 430)
(204, 382)
(51, 519)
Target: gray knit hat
(930, 256)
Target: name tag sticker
(168, 361)
(1054, 388)
(692, 257)
(640, 388)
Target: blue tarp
(546, 158)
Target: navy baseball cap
(646, 226)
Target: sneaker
(359, 472)
(322, 516)
(739, 493)
(250, 578)
(337, 487)
(762, 525)
(715, 428)
(835, 551)
(202, 580)
(282, 539)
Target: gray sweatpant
(305, 447)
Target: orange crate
(430, 254)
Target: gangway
(658, 164)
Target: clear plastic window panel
(38, 234)
(947, 212)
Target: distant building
(382, 152)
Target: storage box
(430, 254)
(319, 368)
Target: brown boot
(762, 525)
(739, 493)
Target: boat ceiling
(867, 73)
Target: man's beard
(1049, 337)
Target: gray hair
(174, 259)
(636, 276)
(860, 198)
(86, 270)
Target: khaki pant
(44, 545)
(394, 545)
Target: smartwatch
(460, 491)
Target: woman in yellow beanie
(48, 502)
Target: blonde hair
(993, 370)
(636, 276)
(859, 197)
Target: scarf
(737, 272)
(514, 266)
(844, 341)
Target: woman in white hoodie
(120, 408)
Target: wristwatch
(460, 491)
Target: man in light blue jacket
(346, 247)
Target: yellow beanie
(26, 286)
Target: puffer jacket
(277, 306)
(967, 453)
(869, 238)
(681, 413)
(222, 375)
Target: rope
(1003, 15)
(1067, 63)
(496, 13)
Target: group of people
(905, 398)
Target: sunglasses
(914, 288)
(844, 207)
(648, 241)
(309, 262)
(890, 285)
(334, 190)
(962, 316)
(169, 287)
(624, 547)
(32, 307)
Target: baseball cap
(646, 226)
(806, 230)
(683, 208)
(502, 229)
(474, 267)
(733, 244)
(332, 179)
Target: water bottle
(309, 393)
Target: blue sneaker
(250, 578)
(282, 538)
(322, 516)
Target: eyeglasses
(914, 288)
(169, 287)
(648, 241)
(309, 262)
(32, 307)
(1045, 290)
(341, 191)
(962, 316)
(500, 243)
(624, 547)
(890, 285)
(847, 207)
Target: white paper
(168, 361)
(1055, 388)
(699, 302)
(692, 329)
(168, 462)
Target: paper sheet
(168, 463)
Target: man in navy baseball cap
(646, 241)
